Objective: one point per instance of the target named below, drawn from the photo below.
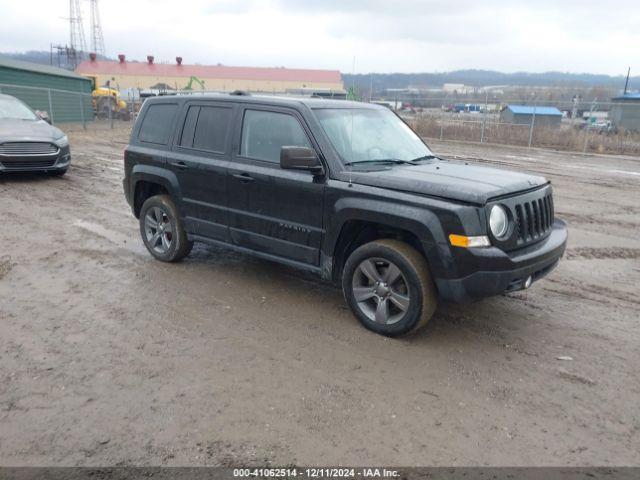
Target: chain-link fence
(61, 106)
(603, 127)
(595, 126)
(73, 111)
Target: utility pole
(586, 135)
(626, 83)
(533, 121)
(442, 115)
(574, 110)
(484, 116)
(97, 38)
(111, 99)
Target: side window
(265, 133)
(211, 128)
(157, 122)
(205, 128)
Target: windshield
(369, 135)
(15, 109)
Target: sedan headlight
(498, 221)
(62, 141)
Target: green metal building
(65, 95)
(625, 112)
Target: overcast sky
(382, 35)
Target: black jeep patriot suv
(343, 189)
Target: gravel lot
(109, 357)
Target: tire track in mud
(224, 342)
(594, 293)
(573, 172)
(116, 238)
(603, 253)
(592, 219)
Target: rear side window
(157, 123)
(265, 133)
(206, 128)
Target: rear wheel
(162, 231)
(388, 287)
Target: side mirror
(300, 158)
(43, 116)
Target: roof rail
(240, 93)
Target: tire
(171, 243)
(103, 107)
(103, 113)
(409, 299)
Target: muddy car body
(342, 189)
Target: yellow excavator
(105, 99)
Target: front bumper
(44, 163)
(498, 272)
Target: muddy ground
(109, 357)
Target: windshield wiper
(381, 160)
(424, 157)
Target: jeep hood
(452, 180)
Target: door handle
(244, 177)
(180, 165)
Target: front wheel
(162, 231)
(388, 287)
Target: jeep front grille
(27, 149)
(534, 219)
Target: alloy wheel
(158, 230)
(381, 291)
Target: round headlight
(498, 221)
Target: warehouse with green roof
(65, 95)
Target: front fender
(420, 221)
